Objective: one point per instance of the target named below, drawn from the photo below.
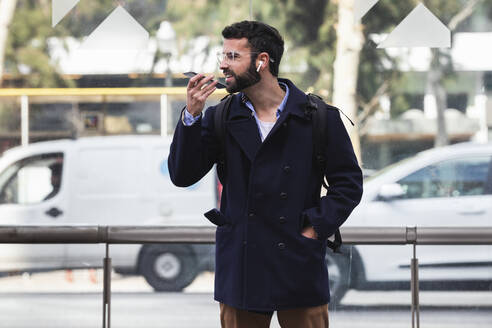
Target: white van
(121, 180)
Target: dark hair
(56, 168)
(261, 37)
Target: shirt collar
(247, 102)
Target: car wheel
(338, 275)
(168, 267)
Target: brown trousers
(310, 317)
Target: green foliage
(27, 46)
(304, 20)
(399, 104)
(192, 18)
(445, 9)
(376, 67)
(9, 116)
(87, 15)
(311, 25)
(309, 28)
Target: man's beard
(244, 80)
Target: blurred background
(404, 98)
(92, 90)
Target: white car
(443, 187)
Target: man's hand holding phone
(199, 88)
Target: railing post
(164, 112)
(107, 290)
(24, 120)
(414, 285)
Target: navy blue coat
(263, 263)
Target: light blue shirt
(279, 109)
(188, 119)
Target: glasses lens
(228, 57)
(220, 57)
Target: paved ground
(176, 310)
(54, 300)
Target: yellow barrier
(97, 92)
(27, 96)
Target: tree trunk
(7, 8)
(349, 46)
(435, 84)
(435, 75)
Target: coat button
(281, 246)
(286, 168)
(282, 219)
(284, 124)
(251, 214)
(245, 242)
(283, 195)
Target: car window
(388, 168)
(31, 180)
(452, 178)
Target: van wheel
(338, 274)
(168, 267)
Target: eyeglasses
(232, 56)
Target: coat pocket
(311, 240)
(216, 217)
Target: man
(272, 224)
(56, 173)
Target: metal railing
(159, 234)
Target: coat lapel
(296, 104)
(242, 125)
(243, 128)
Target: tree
(7, 8)
(27, 50)
(343, 67)
(315, 30)
(27, 46)
(373, 77)
(346, 66)
(441, 61)
(452, 13)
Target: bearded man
(273, 224)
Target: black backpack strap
(220, 116)
(319, 119)
(336, 243)
(319, 112)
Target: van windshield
(31, 180)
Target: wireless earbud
(259, 66)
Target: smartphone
(219, 85)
